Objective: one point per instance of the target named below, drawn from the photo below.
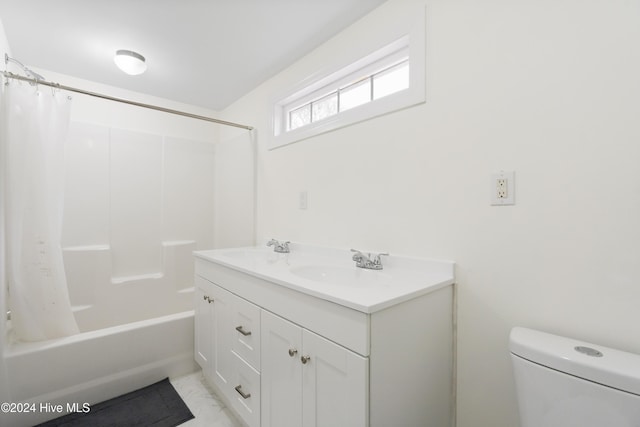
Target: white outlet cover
(510, 199)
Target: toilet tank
(562, 382)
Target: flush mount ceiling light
(130, 62)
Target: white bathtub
(94, 366)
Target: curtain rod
(37, 81)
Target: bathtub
(135, 330)
(94, 366)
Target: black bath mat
(157, 405)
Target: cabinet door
(203, 325)
(281, 372)
(335, 384)
(223, 337)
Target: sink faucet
(281, 247)
(370, 261)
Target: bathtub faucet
(368, 261)
(281, 247)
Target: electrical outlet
(502, 188)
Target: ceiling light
(130, 62)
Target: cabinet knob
(208, 299)
(244, 395)
(305, 359)
(293, 352)
(242, 331)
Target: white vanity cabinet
(308, 380)
(284, 355)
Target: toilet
(563, 382)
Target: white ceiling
(207, 53)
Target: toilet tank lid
(606, 366)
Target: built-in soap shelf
(86, 248)
(135, 278)
(168, 247)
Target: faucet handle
(357, 255)
(376, 257)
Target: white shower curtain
(35, 127)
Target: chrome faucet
(370, 261)
(281, 247)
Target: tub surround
(286, 338)
(127, 238)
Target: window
(388, 79)
(392, 79)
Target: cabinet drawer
(246, 341)
(246, 392)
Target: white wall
(547, 88)
(235, 194)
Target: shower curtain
(35, 126)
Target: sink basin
(339, 275)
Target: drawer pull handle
(208, 299)
(244, 396)
(293, 352)
(305, 359)
(242, 331)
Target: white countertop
(330, 274)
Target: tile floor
(203, 403)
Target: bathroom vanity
(306, 338)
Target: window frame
(336, 87)
(409, 44)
